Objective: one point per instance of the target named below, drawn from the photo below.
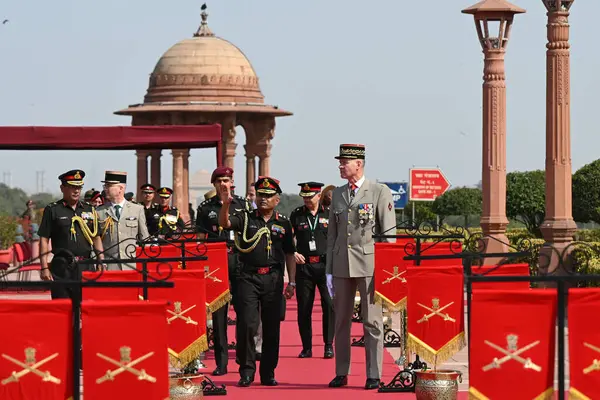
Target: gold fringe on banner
(436, 357)
(390, 305)
(577, 395)
(189, 354)
(220, 301)
(548, 394)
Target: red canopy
(109, 137)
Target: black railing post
(145, 278)
(561, 312)
(418, 251)
(467, 266)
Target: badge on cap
(77, 175)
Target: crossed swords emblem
(30, 366)
(125, 364)
(177, 313)
(596, 363)
(394, 275)
(208, 274)
(512, 352)
(436, 310)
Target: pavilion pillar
(228, 140)
(250, 166)
(558, 227)
(263, 133)
(186, 182)
(142, 170)
(178, 189)
(155, 167)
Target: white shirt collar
(122, 204)
(358, 183)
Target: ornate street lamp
(493, 20)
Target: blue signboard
(399, 193)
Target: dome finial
(204, 30)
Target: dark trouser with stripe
(308, 278)
(265, 292)
(219, 317)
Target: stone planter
(437, 385)
(186, 387)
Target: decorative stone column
(250, 166)
(142, 170)
(178, 195)
(263, 133)
(155, 167)
(487, 14)
(558, 227)
(186, 182)
(229, 145)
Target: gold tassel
(436, 357)
(220, 301)
(390, 305)
(577, 395)
(189, 354)
(547, 395)
(475, 394)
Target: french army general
(358, 210)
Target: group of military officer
(326, 244)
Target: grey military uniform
(120, 235)
(351, 261)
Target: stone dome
(204, 68)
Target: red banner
(216, 268)
(502, 270)
(435, 312)
(512, 344)
(125, 350)
(438, 249)
(390, 275)
(584, 343)
(36, 350)
(112, 293)
(186, 315)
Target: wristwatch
(292, 284)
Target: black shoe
(372, 384)
(219, 371)
(339, 381)
(305, 354)
(269, 382)
(258, 356)
(328, 351)
(245, 381)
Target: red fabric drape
(503, 270)
(109, 293)
(435, 312)
(390, 275)
(186, 315)
(36, 334)
(512, 344)
(129, 339)
(109, 137)
(584, 343)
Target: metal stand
(210, 389)
(211, 340)
(230, 321)
(356, 317)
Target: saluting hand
(225, 195)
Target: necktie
(118, 211)
(353, 188)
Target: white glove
(330, 284)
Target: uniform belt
(260, 270)
(315, 259)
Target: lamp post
(493, 21)
(558, 227)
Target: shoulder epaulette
(55, 203)
(297, 209)
(279, 215)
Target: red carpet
(307, 378)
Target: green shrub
(8, 231)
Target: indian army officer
(69, 224)
(266, 246)
(207, 225)
(150, 208)
(170, 220)
(310, 229)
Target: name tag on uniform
(231, 235)
(312, 245)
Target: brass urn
(186, 387)
(437, 385)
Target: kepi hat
(72, 178)
(351, 152)
(115, 177)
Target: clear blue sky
(406, 81)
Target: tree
(423, 212)
(586, 193)
(288, 203)
(461, 201)
(526, 198)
